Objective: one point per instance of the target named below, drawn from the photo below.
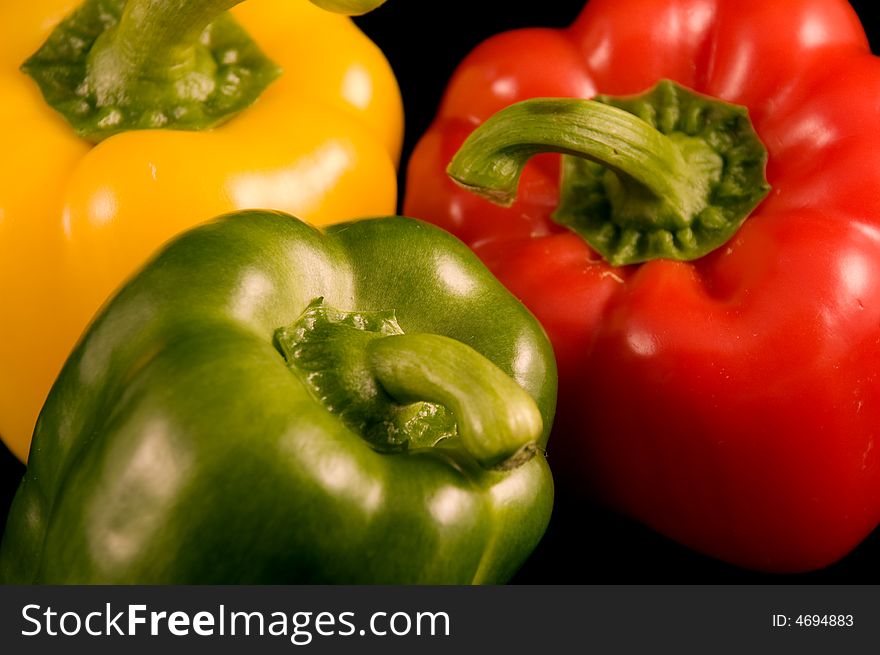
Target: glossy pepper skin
(76, 219)
(177, 446)
(733, 402)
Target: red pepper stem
(676, 184)
(499, 424)
(646, 162)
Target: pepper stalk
(669, 173)
(410, 391)
(117, 65)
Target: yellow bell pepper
(76, 219)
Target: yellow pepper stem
(154, 39)
(349, 7)
(114, 66)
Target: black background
(584, 544)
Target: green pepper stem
(499, 424)
(410, 390)
(668, 173)
(154, 39)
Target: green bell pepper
(266, 403)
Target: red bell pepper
(732, 401)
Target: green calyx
(410, 391)
(116, 65)
(665, 174)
